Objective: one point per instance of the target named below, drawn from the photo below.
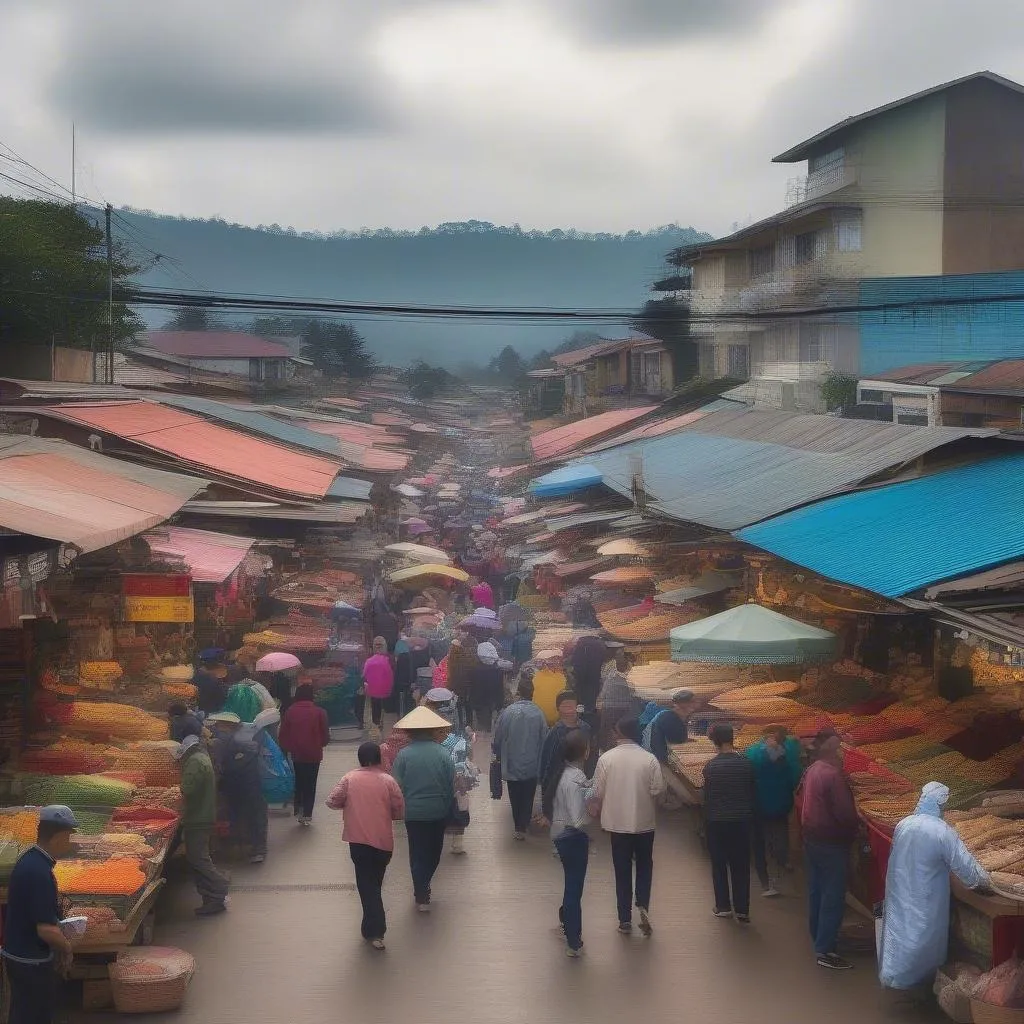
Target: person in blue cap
(34, 946)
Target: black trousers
(376, 709)
(306, 773)
(520, 796)
(629, 848)
(426, 844)
(371, 865)
(729, 849)
(33, 988)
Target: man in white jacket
(627, 784)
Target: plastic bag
(1003, 985)
(276, 775)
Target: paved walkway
(289, 949)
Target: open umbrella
(752, 635)
(279, 661)
(482, 618)
(419, 572)
(419, 553)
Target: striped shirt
(729, 788)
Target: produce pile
(689, 759)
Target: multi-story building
(896, 207)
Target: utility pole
(110, 298)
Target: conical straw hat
(422, 718)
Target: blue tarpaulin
(565, 481)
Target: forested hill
(471, 264)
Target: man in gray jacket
(517, 744)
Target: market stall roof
(981, 585)
(624, 546)
(211, 557)
(561, 441)
(896, 539)
(703, 586)
(573, 522)
(350, 488)
(730, 469)
(113, 500)
(564, 481)
(752, 635)
(194, 441)
(332, 513)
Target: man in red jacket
(304, 734)
(828, 818)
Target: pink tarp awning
(211, 557)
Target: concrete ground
(289, 949)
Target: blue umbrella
(343, 611)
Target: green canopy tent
(752, 635)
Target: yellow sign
(158, 609)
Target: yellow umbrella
(416, 572)
(624, 546)
(420, 553)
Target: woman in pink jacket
(378, 680)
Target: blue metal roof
(258, 423)
(894, 540)
(736, 467)
(350, 488)
(565, 481)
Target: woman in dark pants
(304, 734)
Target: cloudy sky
(598, 114)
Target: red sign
(154, 585)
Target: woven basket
(989, 1013)
(151, 979)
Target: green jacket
(426, 775)
(199, 788)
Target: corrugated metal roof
(349, 487)
(190, 439)
(730, 469)
(215, 345)
(896, 539)
(330, 512)
(666, 426)
(211, 557)
(572, 522)
(256, 423)
(56, 490)
(1006, 577)
(553, 444)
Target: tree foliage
(508, 368)
(839, 391)
(335, 348)
(194, 318)
(53, 277)
(425, 381)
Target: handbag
(457, 817)
(497, 789)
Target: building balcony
(810, 187)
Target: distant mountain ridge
(472, 263)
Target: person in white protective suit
(915, 924)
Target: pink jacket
(378, 676)
(370, 800)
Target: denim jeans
(426, 844)
(33, 989)
(826, 892)
(574, 851)
(628, 847)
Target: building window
(811, 348)
(913, 419)
(762, 261)
(870, 396)
(739, 364)
(805, 247)
(848, 234)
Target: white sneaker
(770, 892)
